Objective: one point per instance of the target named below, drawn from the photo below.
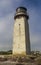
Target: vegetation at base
(34, 57)
(5, 52)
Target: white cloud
(18, 0)
(35, 29)
(6, 7)
(6, 28)
(5, 22)
(35, 41)
(35, 38)
(2, 26)
(5, 3)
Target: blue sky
(7, 11)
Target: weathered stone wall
(19, 44)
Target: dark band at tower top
(21, 11)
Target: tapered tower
(21, 41)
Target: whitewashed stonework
(21, 43)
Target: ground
(20, 60)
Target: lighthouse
(21, 40)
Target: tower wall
(19, 36)
(21, 42)
(27, 37)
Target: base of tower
(19, 54)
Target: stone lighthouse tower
(21, 41)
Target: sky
(7, 11)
